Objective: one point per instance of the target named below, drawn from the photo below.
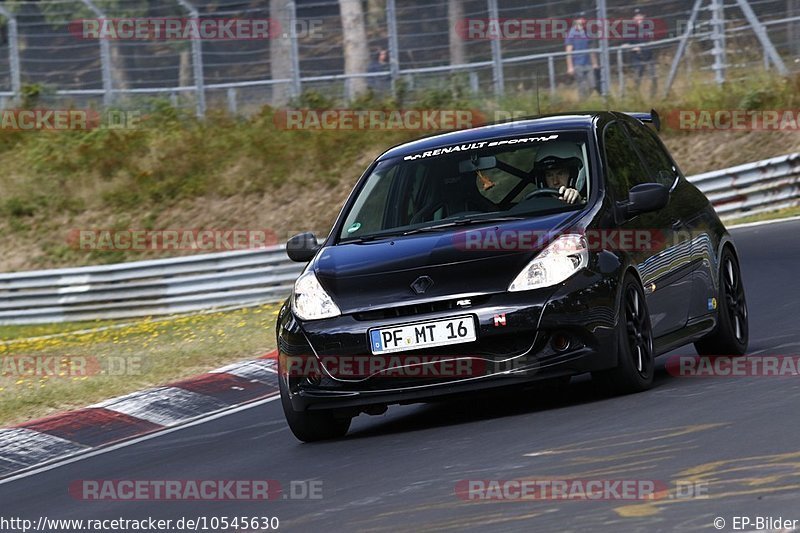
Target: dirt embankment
(40, 241)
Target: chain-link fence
(46, 53)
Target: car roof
(557, 122)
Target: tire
(312, 426)
(636, 361)
(731, 335)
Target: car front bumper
(515, 349)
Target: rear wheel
(311, 426)
(636, 361)
(731, 334)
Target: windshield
(469, 183)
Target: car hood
(464, 261)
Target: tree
(123, 59)
(356, 51)
(54, 15)
(455, 16)
(376, 15)
(280, 50)
(792, 8)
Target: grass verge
(80, 368)
(770, 215)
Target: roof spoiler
(651, 117)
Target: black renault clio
(527, 251)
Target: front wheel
(731, 334)
(636, 361)
(312, 426)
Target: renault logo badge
(421, 284)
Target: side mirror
(646, 197)
(302, 247)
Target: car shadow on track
(498, 404)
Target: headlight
(310, 301)
(561, 259)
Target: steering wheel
(547, 191)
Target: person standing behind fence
(580, 63)
(379, 63)
(642, 59)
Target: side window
(658, 162)
(623, 166)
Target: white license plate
(422, 335)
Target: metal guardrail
(192, 283)
(146, 288)
(754, 187)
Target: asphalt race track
(739, 438)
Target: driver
(559, 173)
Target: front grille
(418, 309)
(490, 352)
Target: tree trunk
(185, 66)
(354, 36)
(280, 51)
(792, 8)
(376, 17)
(119, 73)
(455, 14)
